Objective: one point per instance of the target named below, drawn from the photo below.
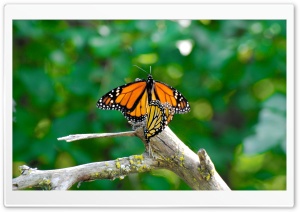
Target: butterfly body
(133, 99)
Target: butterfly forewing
(133, 99)
(123, 98)
(167, 94)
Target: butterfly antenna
(140, 68)
(150, 70)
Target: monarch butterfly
(133, 99)
(158, 117)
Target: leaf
(38, 85)
(271, 128)
(69, 124)
(104, 46)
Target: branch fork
(168, 152)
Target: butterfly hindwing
(133, 99)
(158, 117)
(169, 111)
(139, 113)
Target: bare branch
(63, 179)
(76, 137)
(169, 152)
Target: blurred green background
(232, 72)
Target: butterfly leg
(136, 125)
(150, 152)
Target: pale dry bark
(168, 152)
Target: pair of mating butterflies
(150, 100)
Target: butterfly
(133, 99)
(158, 117)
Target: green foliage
(232, 72)
(267, 135)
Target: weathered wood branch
(77, 137)
(167, 152)
(63, 179)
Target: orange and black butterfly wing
(155, 121)
(140, 111)
(167, 94)
(131, 99)
(169, 112)
(158, 117)
(134, 98)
